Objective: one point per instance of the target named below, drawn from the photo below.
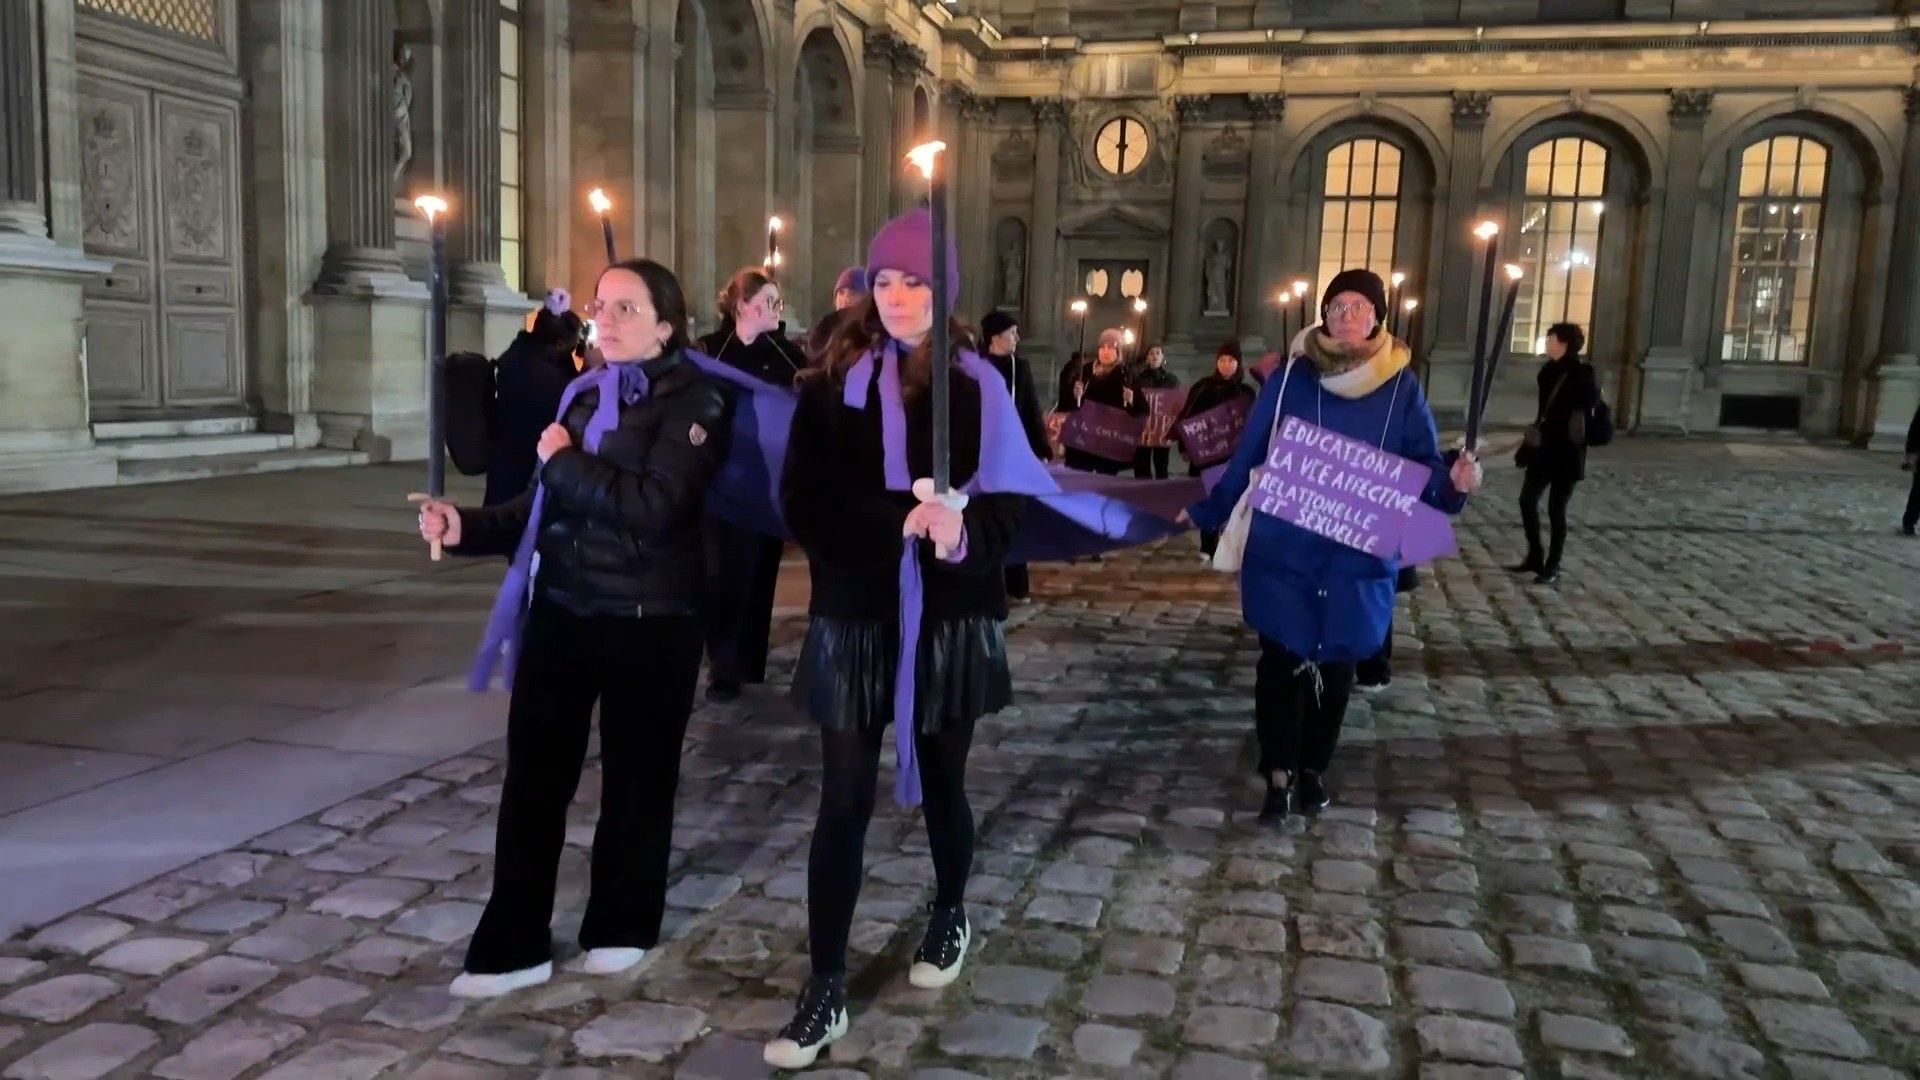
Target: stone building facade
(209, 261)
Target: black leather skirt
(845, 676)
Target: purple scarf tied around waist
(622, 383)
(1007, 467)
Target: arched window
(1361, 208)
(512, 186)
(1559, 239)
(1776, 240)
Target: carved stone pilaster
(1689, 106)
(1192, 108)
(1267, 108)
(21, 180)
(1471, 107)
(1049, 112)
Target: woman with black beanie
(1228, 382)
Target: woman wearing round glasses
(1320, 606)
(743, 566)
(613, 527)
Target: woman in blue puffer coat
(1321, 606)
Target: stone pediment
(1118, 221)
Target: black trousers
(642, 673)
(1559, 492)
(1912, 516)
(1019, 582)
(1150, 462)
(1298, 721)
(836, 864)
(1094, 463)
(1377, 668)
(743, 569)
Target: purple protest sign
(1103, 431)
(1352, 493)
(1212, 436)
(1163, 404)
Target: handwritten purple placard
(1103, 431)
(1212, 436)
(1350, 492)
(1163, 404)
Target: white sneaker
(470, 985)
(611, 961)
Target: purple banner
(1211, 437)
(1103, 431)
(1352, 493)
(1163, 404)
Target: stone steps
(201, 466)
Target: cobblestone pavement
(1663, 821)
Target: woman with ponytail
(909, 601)
(743, 566)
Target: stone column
(1665, 386)
(1259, 254)
(486, 311)
(1453, 307)
(876, 106)
(1184, 287)
(1043, 271)
(45, 437)
(973, 220)
(360, 253)
(22, 193)
(1896, 375)
(370, 372)
(908, 62)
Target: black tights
(1912, 516)
(1298, 722)
(1559, 490)
(835, 865)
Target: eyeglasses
(617, 311)
(1342, 311)
(775, 303)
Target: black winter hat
(1229, 347)
(1365, 282)
(995, 324)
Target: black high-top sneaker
(943, 950)
(1311, 795)
(820, 1019)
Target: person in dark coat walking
(614, 619)
(528, 381)
(862, 430)
(1103, 382)
(1228, 382)
(1912, 517)
(1152, 462)
(848, 290)
(1001, 333)
(1568, 394)
(743, 566)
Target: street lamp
(1140, 316)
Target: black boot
(820, 1020)
(1277, 807)
(1549, 575)
(1310, 794)
(723, 691)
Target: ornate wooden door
(160, 194)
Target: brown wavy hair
(741, 287)
(861, 331)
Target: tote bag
(1233, 536)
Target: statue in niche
(1217, 269)
(402, 111)
(1012, 273)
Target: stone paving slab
(1663, 821)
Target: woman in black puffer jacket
(614, 619)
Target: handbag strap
(1551, 395)
(1279, 404)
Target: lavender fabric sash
(1007, 467)
(507, 625)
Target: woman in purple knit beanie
(861, 433)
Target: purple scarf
(622, 383)
(1007, 467)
